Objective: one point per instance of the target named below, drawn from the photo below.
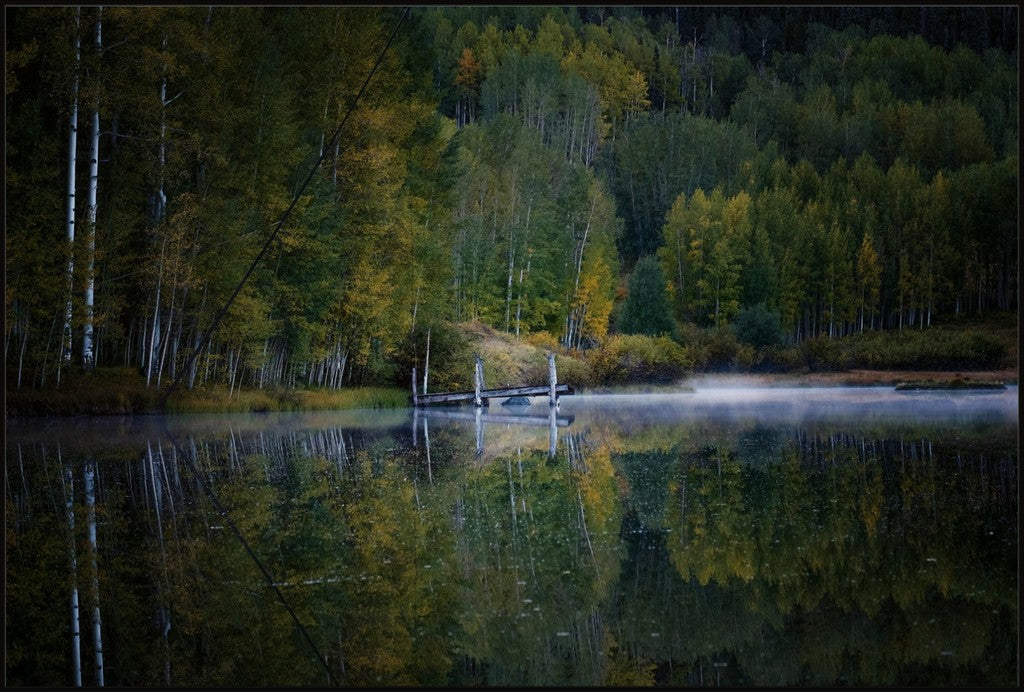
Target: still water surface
(772, 537)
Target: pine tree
(646, 309)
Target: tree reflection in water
(699, 552)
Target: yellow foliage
(468, 76)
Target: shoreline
(691, 383)
(850, 378)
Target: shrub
(823, 353)
(747, 358)
(630, 358)
(542, 340)
(574, 371)
(758, 326)
(720, 347)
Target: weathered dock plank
(485, 394)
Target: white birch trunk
(161, 203)
(88, 356)
(571, 325)
(167, 337)
(65, 355)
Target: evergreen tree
(646, 309)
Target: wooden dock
(486, 395)
(481, 396)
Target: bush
(823, 353)
(574, 371)
(720, 347)
(542, 340)
(911, 349)
(711, 349)
(747, 357)
(632, 358)
(758, 326)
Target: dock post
(478, 379)
(552, 381)
(479, 432)
(415, 399)
(552, 433)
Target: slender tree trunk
(679, 271)
(508, 284)
(154, 337)
(166, 339)
(88, 356)
(165, 618)
(337, 150)
(526, 236)
(426, 362)
(97, 637)
(76, 634)
(323, 132)
(161, 203)
(65, 346)
(24, 343)
(571, 326)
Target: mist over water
(854, 405)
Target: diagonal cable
(248, 549)
(162, 402)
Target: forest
(320, 189)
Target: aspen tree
(65, 347)
(88, 355)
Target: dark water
(773, 537)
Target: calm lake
(769, 537)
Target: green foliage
(629, 358)
(715, 348)
(450, 358)
(758, 326)
(646, 309)
(932, 349)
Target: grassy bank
(123, 391)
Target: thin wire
(161, 403)
(245, 544)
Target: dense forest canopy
(833, 169)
